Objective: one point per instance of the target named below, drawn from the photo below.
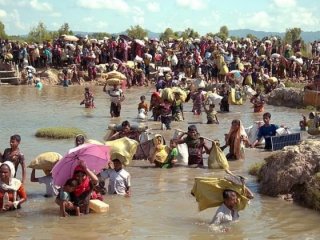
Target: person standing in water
(14, 155)
(116, 97)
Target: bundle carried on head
(114, 78)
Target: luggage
(45, 161)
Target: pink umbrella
(95, 156)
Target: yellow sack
(182, 93)
(123, 149)
(45, 161)
(273, 80)
(116, 74)
(113, 81)
(217, 159)
(240, 66)
(167, 93)
(208, 192)
(232, 98)
(130, 64)
(248, 80)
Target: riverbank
(294, 174)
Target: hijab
(14, 184)
(237, 133)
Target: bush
(254, 169)
(58, 132)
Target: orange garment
(143, 105)
(234, 140)
(21, 193)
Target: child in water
(172, 156)
(64, 199)
(143, 106)
(88, 100)
(211, 114)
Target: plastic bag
(217, 159)
(208, 192)
(123, 149)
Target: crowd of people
(225, 65)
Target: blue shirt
(267, 132)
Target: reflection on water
(161, 205)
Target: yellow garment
(248, 80)
(208, 192)
(130, 64)
(217, 156)
(123, 149)
(45, 161)
(161, 153)
(232, 98)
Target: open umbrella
(95, 156)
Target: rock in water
(294, 170)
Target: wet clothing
(172, 155)
(267, 132)
(195, 151)
(224, 215)
(119, 182)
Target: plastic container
(98, 206)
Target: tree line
(40, 33)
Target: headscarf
(84, 186)
(237, 133)
(14, 184)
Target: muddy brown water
(161, 205)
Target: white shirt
(119, 182)
(51, 190)
(224, 215)
(115, 95)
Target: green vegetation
(58, 132)
(137, 32)
(289, 83)
(254, 169)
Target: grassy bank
(58, 132)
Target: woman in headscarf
(235, 139)
(12, 193)
(87, 181)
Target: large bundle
(45, 161)
(213, 97)
(118, 127)
(208, 192)
(182, 95)
(114, 78)
(122, 149)
(235, 97)
(273, 80)
(199, 83)
(167, 94)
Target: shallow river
(161, 205)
